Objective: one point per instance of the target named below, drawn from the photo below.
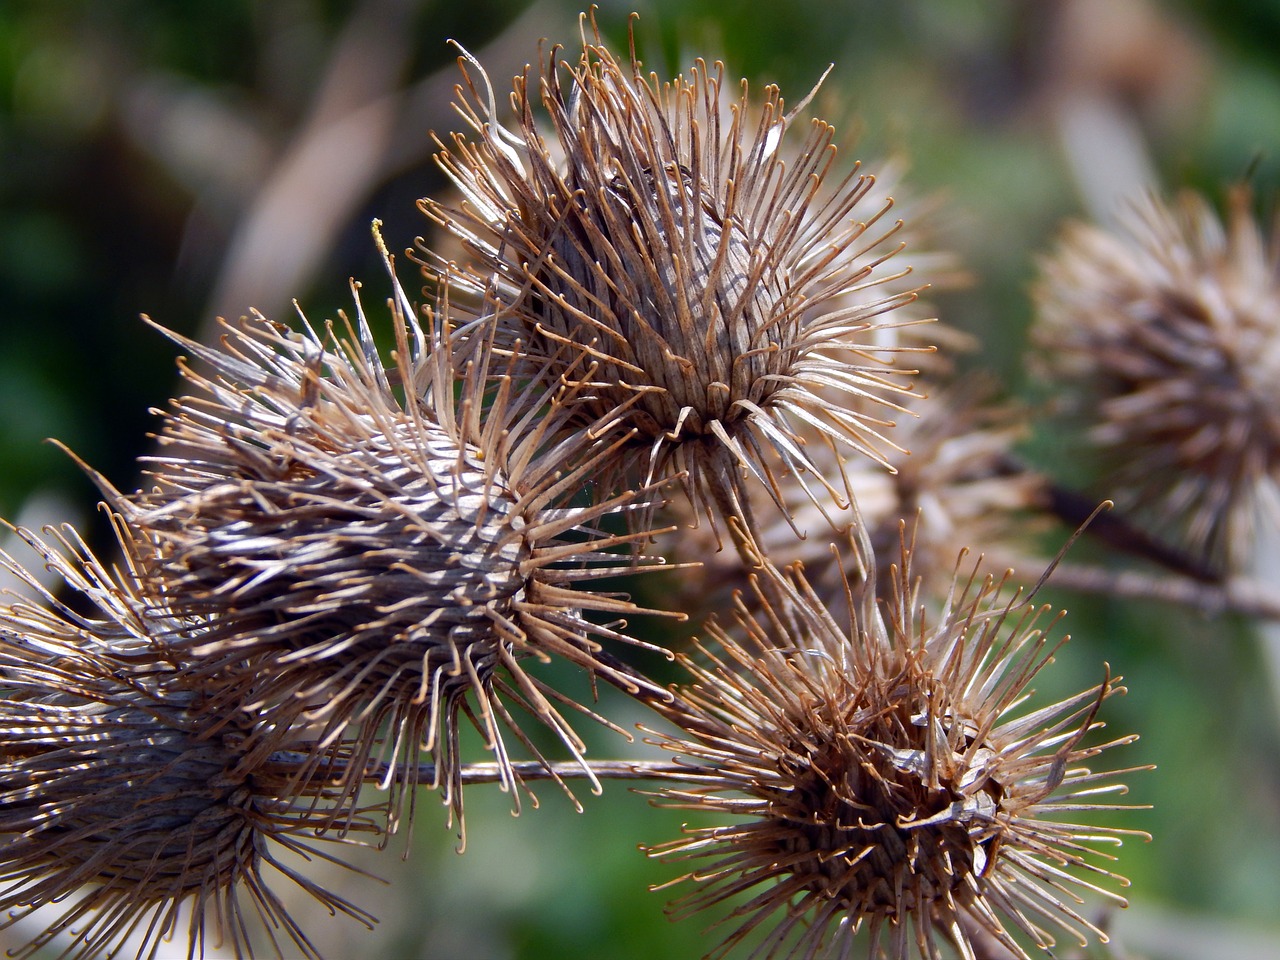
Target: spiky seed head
(1165, 335)
(957, 481)
(114, 784)
(729, 284)
(887, 777)
(373, 551)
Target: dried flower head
(956, 482)
(373, 552)
(1167, 335)
(890, 778)
(114, 783)
(728, 284)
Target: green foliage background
(97, 226)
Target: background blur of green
(142, 142)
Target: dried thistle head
(1165, 335)
(729, 284)
(888, 777)
(116, 785)
(374, 552)
(957, 481)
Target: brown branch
(1115, 530)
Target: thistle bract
(886, 778)
(1165, 334)
(119, 794)
(373, 550)
(729, 284)
(959, 482)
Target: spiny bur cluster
(670, 302)
(379, 549)
(730, 283)
(122, 798)
(1164, 336)
(886, 774)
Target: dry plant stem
(1238, 595)
(473, 773)
(1264, 565)
(1114, 530)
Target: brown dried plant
(1164, 336)
(889, 776)
(119, 794)
(373, 551)
(729, 283)
(348, 554)
(957, 483)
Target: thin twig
(473, 773)
(1238, 595)
(1118, 532)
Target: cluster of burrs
(674, 330)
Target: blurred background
(194, 160)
